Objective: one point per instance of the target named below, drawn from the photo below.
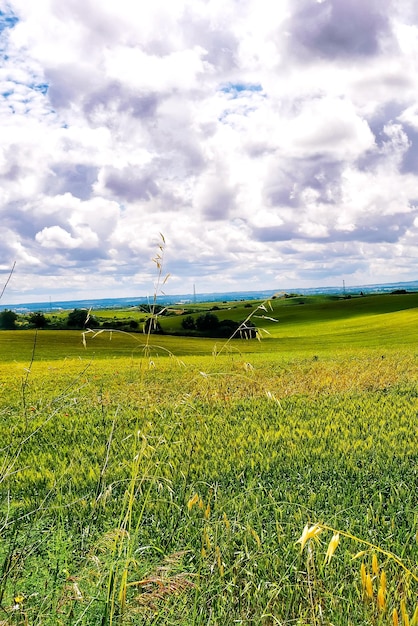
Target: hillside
(315, 323)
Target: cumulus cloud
(334, 29)
(241, 133)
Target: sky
(272, 144)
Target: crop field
(190, 481)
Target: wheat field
(270, 482)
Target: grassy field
(148, 481)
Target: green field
(167, 479)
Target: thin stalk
(8, 279)
(25, 382)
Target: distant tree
(227, 328)
(80, 318)
(133, 324)
(8, 319)
(209, 325)
(208, 322)
(188, 323)
(38, 320)
(153, 326)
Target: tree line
(209, 325)
(204, 325)
(79, 318)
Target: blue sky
(274, 145)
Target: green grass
(142, 489)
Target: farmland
(166, 479)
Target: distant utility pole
(344, 287)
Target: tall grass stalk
(126, 535)
(144, 471)
(7, 280)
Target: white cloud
(56, 237)
(331, 127)
(178, 70)
(239, 132)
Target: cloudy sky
(274, 144)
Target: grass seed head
(381, 600)
(375, 565)
(363, 574)
(226, 521)
(193, 500)
(207, 511)
(332, 546)
(309, 532)
(368, 588)
(405, 618)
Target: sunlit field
(185, 480)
